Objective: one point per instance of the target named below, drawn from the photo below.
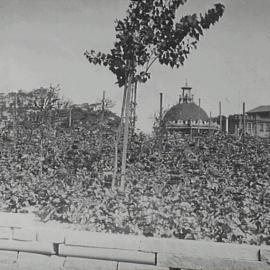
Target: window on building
(268, 127)
(261, 128)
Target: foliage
(44, 108)
(151, 31)
(45, 99)
(213, 187)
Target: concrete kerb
(201, 249)
(103, 240)
(130, 252)
(265, 254)
(108, 254)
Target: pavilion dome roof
(185, 112)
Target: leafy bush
(212, 188)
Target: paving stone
(8, 266)
(7, 257)
(106, 240)
(208, 263)
(29, 261)
(265, 254)
(132, 266)
(88, 264)
(107, 254)
(49, 235)
(26, 246)
(5, 233)
(25, 234)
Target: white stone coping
(123, 251)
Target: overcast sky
(42, 43)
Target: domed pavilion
(187, 116)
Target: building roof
(185, 112)
(260, 109)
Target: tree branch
(151, 63)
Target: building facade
(257, 122)
(186, 116)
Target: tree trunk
(126, 133)
(69, 118)
(41, 155)
(101, 123)
(117, 138)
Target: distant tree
(150, 32)
(44, 101)
(41, 107)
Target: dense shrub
(206, 187)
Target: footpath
(26, 243)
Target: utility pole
(70, 117)
(220, 116)
(102, 120)
(210, 122)
(1, 106)
(244, 131)
(160, 109)
(103, 105)
(15, 117)
(199, 116)
(244, 121)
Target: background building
(257, 122)
(186, 116)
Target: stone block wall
(33, 247)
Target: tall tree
(150, 32)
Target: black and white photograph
(134, 134)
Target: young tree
(151, 32)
